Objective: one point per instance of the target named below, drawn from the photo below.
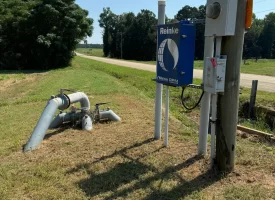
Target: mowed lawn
(261, 67)
(116, 160)
(91, 51)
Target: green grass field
(117, 160)
(262, 67)
(90, 52)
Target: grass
(91, 52)
(261, 67)
(116, 161)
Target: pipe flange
(69, 101)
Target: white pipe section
(159, 87)
(44, 122)
(166, 117)
(110, 115)
(80, 97)
(205, 102)
(63, 118)
(61, 102)
(214, 108)
(87, 123)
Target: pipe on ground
(61, 102)
(63, 118)
(87, 123)
(109, 115)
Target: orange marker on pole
(249, 14)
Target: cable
(265, 10)
(182, 101)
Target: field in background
(262, 67)
(91, 52)
(118, 160)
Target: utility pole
(228, 103)
(159, 86)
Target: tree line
(134, 37)
(41, 34)
(86, 45)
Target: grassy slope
(73, 164)
(262, 67)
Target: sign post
(159, 87)
(175, 59)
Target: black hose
(182, 101)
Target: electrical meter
(221, 17)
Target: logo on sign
(173, 50)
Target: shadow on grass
(56, 132)
(134, 175)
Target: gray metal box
(214, 75)
(225, 24)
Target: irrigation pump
(82, 116)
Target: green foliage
(193, 13)
(267, 37)
(40, 34)
(136, 37)
(251, 39)
(129, 36)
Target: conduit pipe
(110, 115)
(60, 102)
(63, 118)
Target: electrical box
(214, 74)
(221, 17)
(175, 55)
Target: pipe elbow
(80, 97)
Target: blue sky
(95, 7)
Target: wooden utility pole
(228, 103)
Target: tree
(41, 34)
(135, 34)
(251, 40)
(193, 13)
(106, 22)
(267, 37)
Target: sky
(95, 7)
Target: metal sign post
(159, 87)
(175, 59)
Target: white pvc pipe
(46, 118)
(205, 103)
(80, 97)
(214, 109)
(159, 87)
(213, 128)
(87, 123)
(166, 117)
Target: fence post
(251, 112)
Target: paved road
(266, 83)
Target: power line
(259, 1)
(265, 11)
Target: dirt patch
(12, 82)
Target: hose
(182, 101)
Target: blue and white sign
(176, 50)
